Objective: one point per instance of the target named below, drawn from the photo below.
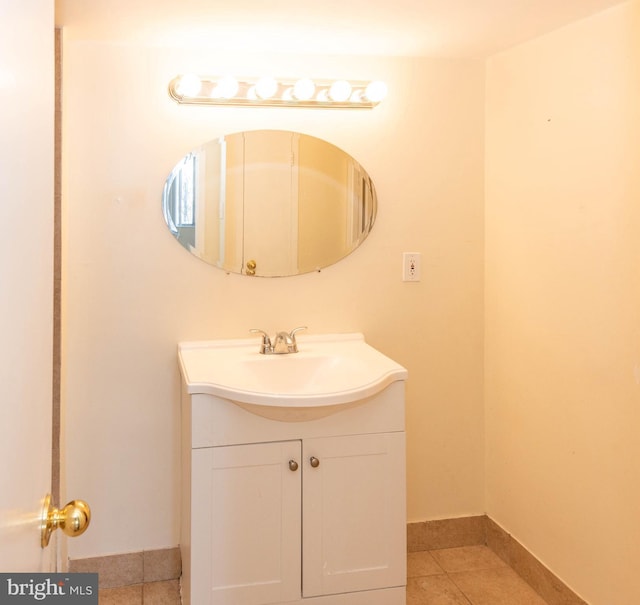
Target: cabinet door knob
(293, 465)
(315, 463)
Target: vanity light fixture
(268, 91)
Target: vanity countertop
(328, 370)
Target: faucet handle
(292, 335)
(265, 346)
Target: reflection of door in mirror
(270, 213)
(232, 194)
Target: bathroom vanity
(293, 485)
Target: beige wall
(132, 293)
(563, 301)
(562, 291)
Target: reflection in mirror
(269, 203)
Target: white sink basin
(328, 370)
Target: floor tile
(422, 564)
(125, 595)
(468, 575)
(497, 586)
(467, 558)
(434, 590)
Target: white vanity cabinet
(303, 512)
(293, 474)
(246, 519)
(351, 513)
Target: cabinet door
(246, 524)
(354, 515)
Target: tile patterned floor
(469, 575)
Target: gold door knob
(251, 267)
(73, 519)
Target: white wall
(132, 293)
(563, 301)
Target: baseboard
(115, 571)
(470, 531)
(446, 533)
(553, 590)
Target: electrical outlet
(410, 266)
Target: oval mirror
(269, 203)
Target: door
(245, 524)
(26, 280)
(270, 222)
(353, 513)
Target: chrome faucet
(283, 343)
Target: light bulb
(266, 87)
(376, 91)
(304, 89)
(189, 85)
(226, 88)
(340, 91)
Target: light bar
(267, 91)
